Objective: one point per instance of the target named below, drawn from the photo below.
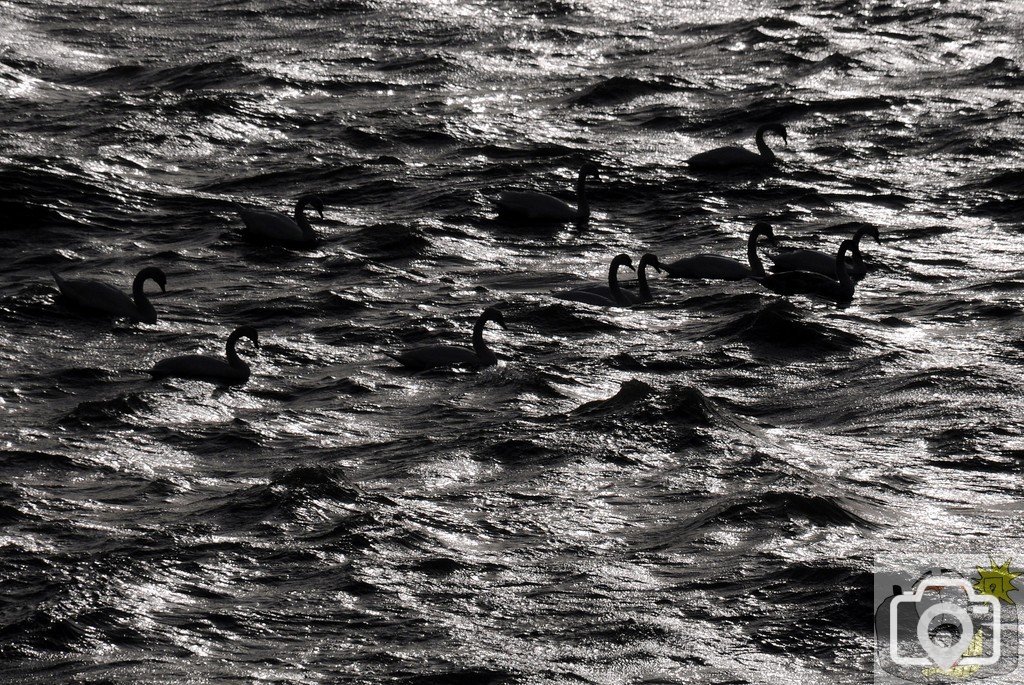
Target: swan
(529, 205)
(204, 367)
(822, 263)
(103, 298)
(641, 279)
(726, 268)
(731, 157)
(261, 224)
(813, 283)
(440, 356)
(614, 297)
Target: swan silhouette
(201, 367)
(446, 356)
(725, 268)
(615, 295)
(641, 279)
(734, 158)
(101, 298)
(822, 263)
(812, 283)
(275, 227)
(529, 205)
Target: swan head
(247, 332)
(764, 228)
(866, 230)
(154, 274)
(779, 130)
(314, 201)
(650, 260)
(622, 260)
(495, 315)
(589, 169)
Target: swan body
(447, 356)
(262, 224)
(229, 371)
(733, 158)
(529, 205)
(613, 297)
(103, 298)
(641, 279)
(822, 263)
(720, 267)
(813, 283)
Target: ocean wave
(780, 323)
(619, 89)
(781, 506)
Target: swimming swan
(641, 279)
(529, 205)
(203, 367)
(261, 224)
(822, 263)
(441, 356)
(614, 297)
(726, 268)
(812, 283)
(102, 298)
(731, 157)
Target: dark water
(688, 491)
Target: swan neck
(147, 312)
(843, 273)
(301, 220)
(762, 146)
(613, 284)
(234, 361)
(756, 266)
(479, 345)
(641, 279)
(858, 258)
(582, 204)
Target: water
(691, 490)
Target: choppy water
(687, 491)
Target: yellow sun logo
(997, 581)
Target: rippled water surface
(687, 491)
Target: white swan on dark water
(615, 296)
(720, 267)
(201, 367)
(447, 356)
(735, 158)
(101, 298)
(838, 290)
(825, 264)
(530, 205)
(643, 287)
(275, 227)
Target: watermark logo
(941, 626)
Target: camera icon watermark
(940, 625)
